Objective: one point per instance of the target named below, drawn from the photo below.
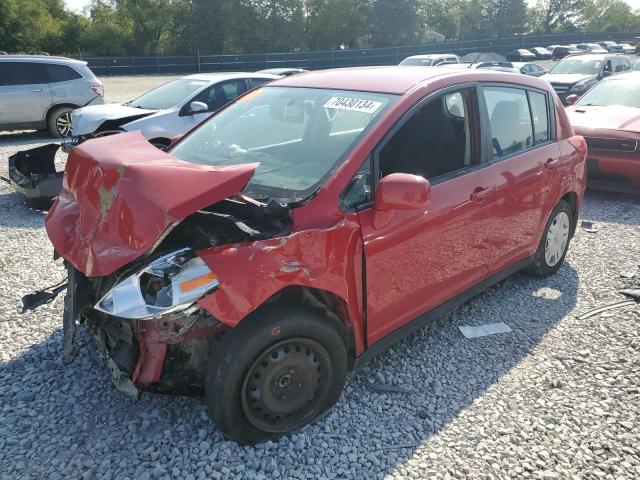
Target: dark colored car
(611, 47)
(306, 227)
(608, 116)
(541, 53)
(576, 74)
(564, 51)
(521, 55)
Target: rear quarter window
(61, 73)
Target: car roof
(275, 71)
(590, 56)
(41, 59)
(433, 55)
(218, 76)
(394, 79)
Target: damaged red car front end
(120, 204)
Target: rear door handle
(479, 194)
(551, 163)
(37, 90)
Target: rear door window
(23, 73)
(509, 120)
(540, 117)
(61, 73)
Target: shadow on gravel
(15, 213)
(25, 137)
(67, 421)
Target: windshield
(299, 136)
(614, 92)
(168, 95)
(425, 62)
(577, 66)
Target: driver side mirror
(197, 107)
(606, 73)
(402, 191)
(571, 99)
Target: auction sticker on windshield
(352, 104)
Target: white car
(167, 111)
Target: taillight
(98, 90)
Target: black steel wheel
(280, 369)
(285, 384)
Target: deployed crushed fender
(121, 194)
(33, 174)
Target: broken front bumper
(33, 174)
(165, 355)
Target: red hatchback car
(306, 227)
(608, 116)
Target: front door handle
(480, 193)
(37, 90)
(551, 163)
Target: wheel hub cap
(557, 239)
(63, 124)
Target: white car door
(215, 97)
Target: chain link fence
(314, 60)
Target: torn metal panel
(33, 174)
(120, 194)
(250, 273)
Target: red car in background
(306, 227)
(608, 116)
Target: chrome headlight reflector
(168, 284)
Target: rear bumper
(33, 174)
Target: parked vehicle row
(239, 262)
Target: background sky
(78, 5)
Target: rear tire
(555, 241)
(280, 369)
(59, 122)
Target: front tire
(59, 122)
(555, 241)
(280, 369)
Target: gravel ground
(556, 398)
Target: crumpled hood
(120, 194)
(565, 78)
(86, 120)
(615, 117)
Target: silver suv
(39, 92)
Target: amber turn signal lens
(197, 282)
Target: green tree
(396, 22)
(331, 22)
(557, 15)
(609, 16)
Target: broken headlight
(168, 284)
